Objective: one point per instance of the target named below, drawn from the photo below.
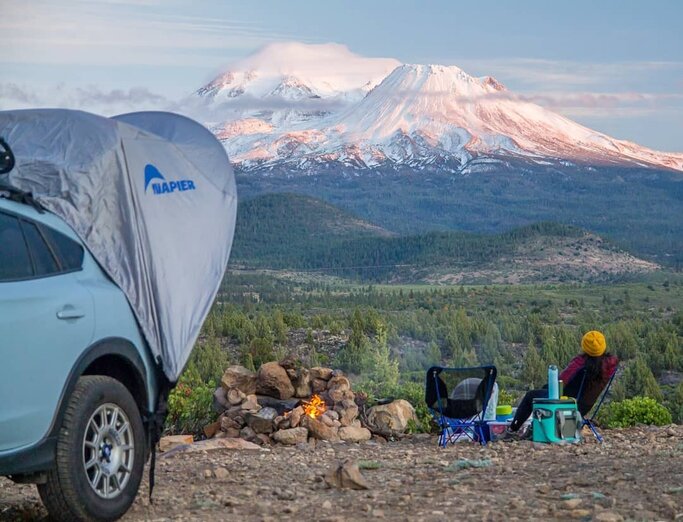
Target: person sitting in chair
(585, 377)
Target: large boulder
(321, 373)
(272, 379)
(391, 418)
(292, 436)
(240, 378)
(354, 434)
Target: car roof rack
(20, 196)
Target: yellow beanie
(593, 343)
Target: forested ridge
(292, 231)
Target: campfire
(287, 405)
(315, 407)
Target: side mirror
(6, 157)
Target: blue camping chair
(589, 420)
(458, 402)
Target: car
(114, 238)
(78, 383)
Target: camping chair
(590, 420)
(463, 415)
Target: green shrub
(507, 397)
(638, 410)
(190, 404)
(209, 359)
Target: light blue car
(77, 380)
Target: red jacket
(591, 390)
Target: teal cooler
(556, 421)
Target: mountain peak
(305, 105)
(325, 69)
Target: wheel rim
(108, 451)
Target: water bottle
(553, 389)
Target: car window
(44, 262)
(68, 251)
(15, 262)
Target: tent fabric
(153, 197)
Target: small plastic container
(503, 413)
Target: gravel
(637, 474)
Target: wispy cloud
(120, 33)
(94, 99)
(558, 74)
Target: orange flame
(315, 407)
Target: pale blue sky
(616, 66)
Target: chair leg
(589, 423)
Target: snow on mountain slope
(301, 106)
(296, 71)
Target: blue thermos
(553, 386)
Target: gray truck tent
(151, 194)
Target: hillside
(276, 229)
(285, 231)
(639, 209)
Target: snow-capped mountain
(287, 84)
(300, 107)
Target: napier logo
(159, 184)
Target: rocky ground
(636, 474)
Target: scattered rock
(235, 396)
(281, 405)
(220, 400)
(240, 378)
(348, 411)
(318, 385)
(608, 516)
(215, 444)
(174, 441)
(352, 434)
(331, 414)
(231, 432)
(319, 430)
(247, 433)
(391, 418)
(250, 404)
(229, 422)
(572, 503)
(346, 475)
(302, 383)
(221, 473)
(261, 421)
(295, 416)
(291, 436)
(272, 380)
(210, 430)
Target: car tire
(100, 424)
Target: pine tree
(533, 369)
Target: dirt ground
(636, 474)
